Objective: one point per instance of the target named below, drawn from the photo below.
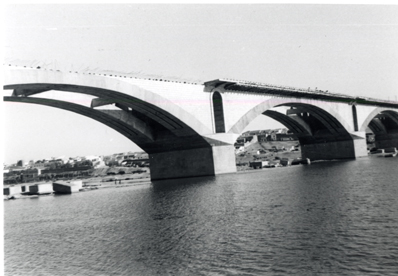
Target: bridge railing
(309, 92)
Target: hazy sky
(350, 49)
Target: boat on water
(388, 152)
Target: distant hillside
(273, 150)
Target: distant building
(125, 157)
(30, 175)
(262, 137)
(257, 164)
(13, 190)
(97, 161)
(370, 138)
(254, 132)
(239, 150)
(246, 133)
(285, 137)
(39, 189)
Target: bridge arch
(322, 132)
(138, 135)
(300, 130)
(26, 83)
(383, 122)
(330, 117)
(172, 136)
(374, 113)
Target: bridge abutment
(195, 162)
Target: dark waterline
(329, 218)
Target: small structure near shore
(12, 190)
(258, 164)
(286, 162)
(387, 152)
(65, 187)
(305, 161)
(263, 164)
(41, 189)
(390, 150)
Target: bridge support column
(360, 146)
(383, 141)
(195, 162)
(329, 150)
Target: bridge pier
(206, 161)
(329, 150)
(383, 141)
(360, 147)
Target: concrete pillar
(351, 148)
(224, 159)
(328, 150)
(360, 146)
(383, 141)
(206, 161)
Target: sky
(348, 49)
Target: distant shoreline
(89, 184)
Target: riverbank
(100, 179)
(89, 184)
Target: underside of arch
(377, 112)
(321, 135)
(151, 111)
(321, 122)
(173, 137)
(27, 82)
(171, 156)
(330, 120)
(301, 130)
(384, 125)
(310, 123)
(152, 138)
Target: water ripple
(337, 218)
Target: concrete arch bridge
(189, 129)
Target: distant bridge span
(189, 129)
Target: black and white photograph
(200, 139)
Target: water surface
(329, 218)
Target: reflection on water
(327, 218)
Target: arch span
(172, 136)
(123, 128)
(375, 112)
(322, 136)
(297, 128)
(151, 138)
(383, 122)
(327, 115)
(26, 83)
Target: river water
(327, 218)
